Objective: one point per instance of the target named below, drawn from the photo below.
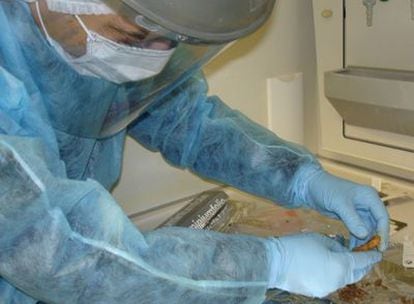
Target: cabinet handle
(327, 13)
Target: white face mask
(112, 61)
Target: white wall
(284, 46)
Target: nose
(158, 44)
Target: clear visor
(189, 55)
(111, 110)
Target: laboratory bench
(230, 211)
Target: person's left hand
(358, 206)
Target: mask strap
(39, 14)
(82, 24)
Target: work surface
(389, 282)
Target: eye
(120, 35)
(145, 23)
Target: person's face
(65, 29)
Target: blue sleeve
(201, 133)
(67, 241)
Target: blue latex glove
(358, 206)
(315, 265)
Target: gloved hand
(358, 206)
(314, 265)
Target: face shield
(175, 37)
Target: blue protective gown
(63, 237)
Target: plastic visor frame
(126, 9)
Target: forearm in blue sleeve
(204, 135)
(68, 241)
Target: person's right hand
(315, 265)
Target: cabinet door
(344, 39)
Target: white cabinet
(343, 39)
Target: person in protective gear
(77, 77)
